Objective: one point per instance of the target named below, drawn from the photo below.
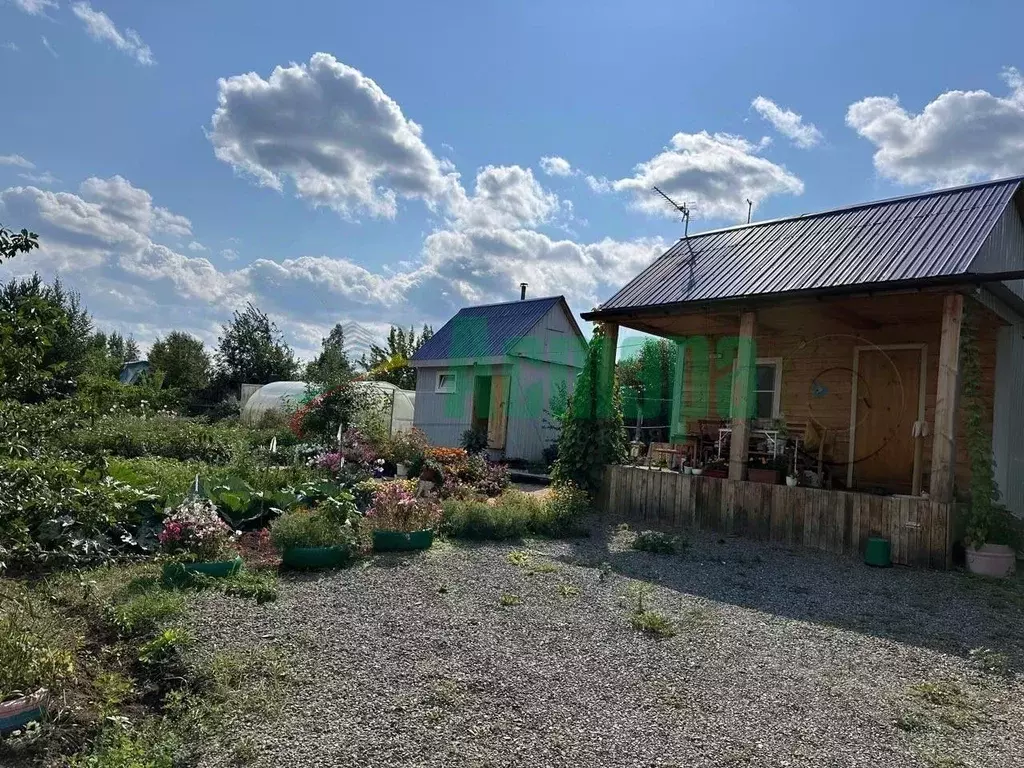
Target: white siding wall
(444, 417)
(532, 384)
(554, 339)
(1008, 418)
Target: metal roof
(487, 331)
(914, 238)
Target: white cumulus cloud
(556, 166)
(102, 28)
(717, 173)
(958, 137)
(330, 130)
(788, 123)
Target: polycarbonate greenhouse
(285, 396)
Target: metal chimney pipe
(522, 291)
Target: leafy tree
(592, 434)
(12, 243)
(183, 360)
(391, 363)
(253, 351)
(46, 337)
(108, 354)
(332, 364)
(647, 380)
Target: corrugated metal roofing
(936, 234)
(485, 331)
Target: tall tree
(46, 336)
(647, 380)
(12, 243)
(391, 362)
(183, 360)
(332, 364)
(252, 350)
(108, 354)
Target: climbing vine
(592, 433)
(988, 522)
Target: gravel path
(462, 657)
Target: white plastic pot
(791, 481)
(994, 560)
(402, 470)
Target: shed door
(888, 399)
(497, 417)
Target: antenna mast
(750, 207)
(683, 209)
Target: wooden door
(888, 402)
(497, 418)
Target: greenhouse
(283, 397)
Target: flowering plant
(408, 446)
(396, 508)
(195, 531)
(331, 461)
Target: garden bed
(533, 654)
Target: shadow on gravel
(949, 611)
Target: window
(445, 383)
(767, 377)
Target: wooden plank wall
(833, 521)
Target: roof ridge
(857, 206)
(509, 303)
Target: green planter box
(400, 541)
(878, 552)
(178, 573)
(310, 558)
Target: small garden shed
(495, 368)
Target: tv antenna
(683, 209)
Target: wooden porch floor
(920, 531)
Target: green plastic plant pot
(178, 573)
(878, 552)
(312, 558)
(402, 541)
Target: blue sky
(400, 175)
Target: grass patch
(653, 623)
(507, 600)
(659, 543)
(941, 704)
(568, 590)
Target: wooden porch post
(741, 405)
(606, 370)
(944, 434)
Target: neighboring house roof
(490, 330)
(914, 239)
(133, 371)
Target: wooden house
(844, 328)
(495, 368)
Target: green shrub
(659, 543)
(150, 747)
(165, 648)
(142, 607)
(63, 513)
(311, 528)
(515, 514)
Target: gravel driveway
(523, 655)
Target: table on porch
(772, 436)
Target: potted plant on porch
(993, 534)
(718, 468)
(764, 469)
(197, 541)
(400, 520)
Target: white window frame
(776, 394)
(446, 390)
(777, 384)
